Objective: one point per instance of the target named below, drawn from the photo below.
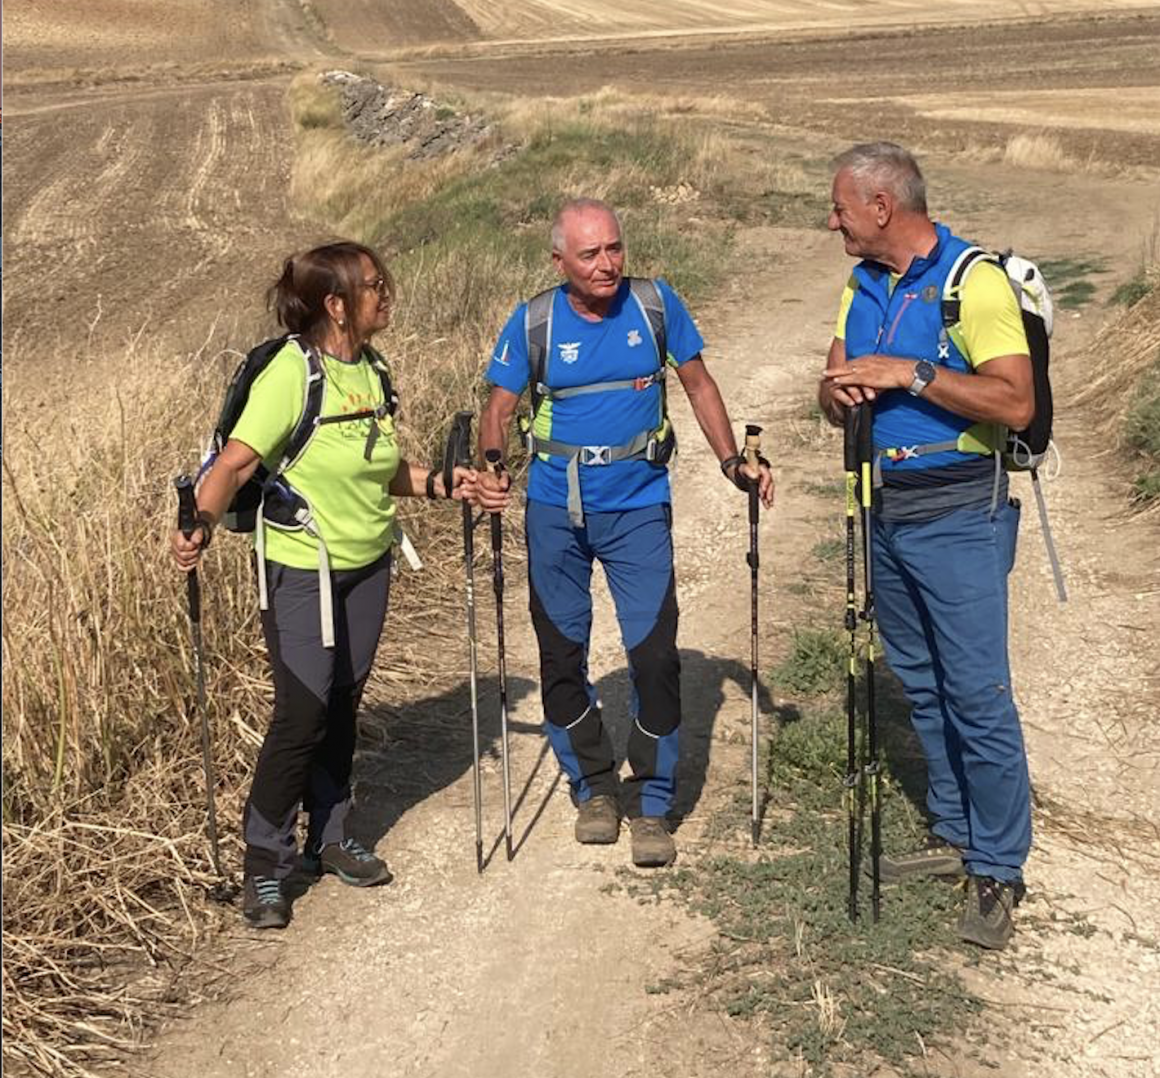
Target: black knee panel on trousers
(562, 681)
(656, 670)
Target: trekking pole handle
(187, 524)
(864, 433)
(458, 451)
(186, 506)
(850, 441)
(493, 462)
(753, 459)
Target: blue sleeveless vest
(906, 321)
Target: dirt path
(534, 969)
(151, 210)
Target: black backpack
(265, 489)
(1025, 448)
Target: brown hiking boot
(988, 918)
(652, 845)
(598, 821)
(935, 857)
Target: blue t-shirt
(619, 346)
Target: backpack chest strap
(546, 392)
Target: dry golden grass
(107, 880)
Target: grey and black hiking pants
(307, 755)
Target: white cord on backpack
(1025, 460)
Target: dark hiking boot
(652, 845)
(598, 821)
(263, 903)
(350, 862)
(935, 857)
(988, 918)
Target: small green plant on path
(815, 665)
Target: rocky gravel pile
(379, 115)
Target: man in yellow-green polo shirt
(943, 530)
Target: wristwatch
(924, 373)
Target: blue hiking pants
(940, 589)
(635, 549)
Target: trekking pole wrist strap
(432, 475)
(203, 522)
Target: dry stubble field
(146, 166)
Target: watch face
(924, 370)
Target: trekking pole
(851, 781)
(752, 457)
(495, 465)
(865, 453)
(187, 523)
(459, 452)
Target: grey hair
(579, 205)
(885, 166)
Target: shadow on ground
(409, 752)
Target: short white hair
(580, 205)
(888, 167)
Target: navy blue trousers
(941, 595)
(635, 549)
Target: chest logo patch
(634, 338)
(929, 294)
(570, 351)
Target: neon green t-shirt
(991, 323)
(353, 510)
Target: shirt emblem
(570, 351)
(633, 338)
(502, 358)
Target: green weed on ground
(1142, 434)
(1068, 279)
(830, 992)
(815, 665)
(835, 996)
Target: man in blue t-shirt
(599, 489)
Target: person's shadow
(409, 751)
(703, 681)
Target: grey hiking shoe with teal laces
(350, 862)
(263, 903)
(988, 918)
(935, 857)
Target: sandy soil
(154, 208)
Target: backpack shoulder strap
(647, 294)
(952, 302)
(312, 398)
(538, 335)
(379, 366)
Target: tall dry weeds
(106, 871)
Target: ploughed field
(153, 200)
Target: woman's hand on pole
(464, 484)
(187, 552)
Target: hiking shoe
(598, 821)
(935, 857)
(350, 862)
(988, 918)
(652, 845)
(263, 904)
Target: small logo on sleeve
(502, 358)
(634, 338)
(569, 351)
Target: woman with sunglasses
(321, 617)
